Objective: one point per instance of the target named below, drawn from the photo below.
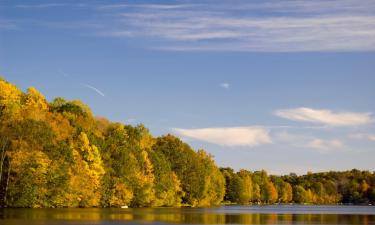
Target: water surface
(287, 214)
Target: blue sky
(286, 86)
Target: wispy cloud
(144, 6)
(255, 26)
(230, 136)
(94, 89)
(286, 26)
(40, 6)
(324, 144)
(307, 141)
(7, 25)
(363, 136)
(225, 85)
(324, 116)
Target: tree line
(348, 187)
(57, 154)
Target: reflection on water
(222, 215)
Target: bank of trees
(57, 154)
(349, 187)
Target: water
(222, 215)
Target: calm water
(222, 215)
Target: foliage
(58, 154)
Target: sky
(285, 86)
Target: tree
(256, 193)
(168, 191)
(122, 195)
(28, 182)
(299, 194)
(35, 105)
(213, 183)
(372, 195)
(86, 174)
(230, 192)
(201, 180)
(286, 193)
(246, 192)
(10, 100)
(269, 193)
(58, 154)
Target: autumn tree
(86, 174)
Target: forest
(58, 154)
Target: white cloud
(324, 144)
(284, 26)
(363, 136)
(231, 136)
(225, 85)
(300, 26)
(306, 141)
(326, 117)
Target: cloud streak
(306, 141)
(94, 89)
(324, 144)
(40, 6)
(230, 136)
(143, 6)
(290, 26)
(363, 136)
(326, 117)
(250, 26)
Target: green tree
(286, 193)
(28, 183)
(167, 185)
(245, 195)
(256, 193)
(299, 194)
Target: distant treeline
(57, 154)
(245, 187)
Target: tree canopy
(58, 154)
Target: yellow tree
(10, 100)
(121, 195)
(35, 105)
(286, 193)
(245, 195)
(256, 193)
(143, 183)
(212, 181)
(86, 174)
(28, 184)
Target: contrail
(95, 89)
(85, 85)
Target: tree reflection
(172, 216)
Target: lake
(272, 214)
